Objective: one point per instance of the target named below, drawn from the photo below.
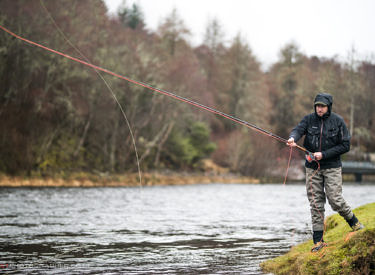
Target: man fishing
(327, 137)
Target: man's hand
(318, 155)
(291, 142)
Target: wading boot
(358, 226)
(318, 241)
(355, 224)
(318, 246)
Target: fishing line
(106, 84)
(287, 168)
(148, 86)
(172, 95)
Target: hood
(325, 98)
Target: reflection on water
(213, 228)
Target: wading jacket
(327, 134)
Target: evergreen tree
(131, 17)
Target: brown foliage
(57, 116)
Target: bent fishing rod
(172, 95)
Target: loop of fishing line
(106, 84)
(287, 168)
(149, 87)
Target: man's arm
(299, 130)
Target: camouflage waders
(325, 183)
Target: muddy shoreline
(125, 180)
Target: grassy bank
(148, 179)
(347, 252)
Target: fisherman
(327, 137)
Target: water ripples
(202, 229)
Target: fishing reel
(310, 157)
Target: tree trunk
(153, 143)
(161, 143)
(83, 137)
(113, 146)
(351, 125)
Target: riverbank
(125, 180)
(347, 252)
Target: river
(202, 228)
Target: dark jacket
(327, 134)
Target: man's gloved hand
(291, 142)
(318, 155)
(314, 156)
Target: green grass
(347, 252)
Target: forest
(58, 117)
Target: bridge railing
(358, 168)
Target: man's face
(321, 109)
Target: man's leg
(317, 199)
(333, 187)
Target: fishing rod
(172, 95)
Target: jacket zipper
(321, 134)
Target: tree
(210, 55)
(366, 100)
(353, 86)
(131, 17)
(284, 90)
(187, 146)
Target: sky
(324, 28)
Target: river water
(192, 229)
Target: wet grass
(347, 252)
